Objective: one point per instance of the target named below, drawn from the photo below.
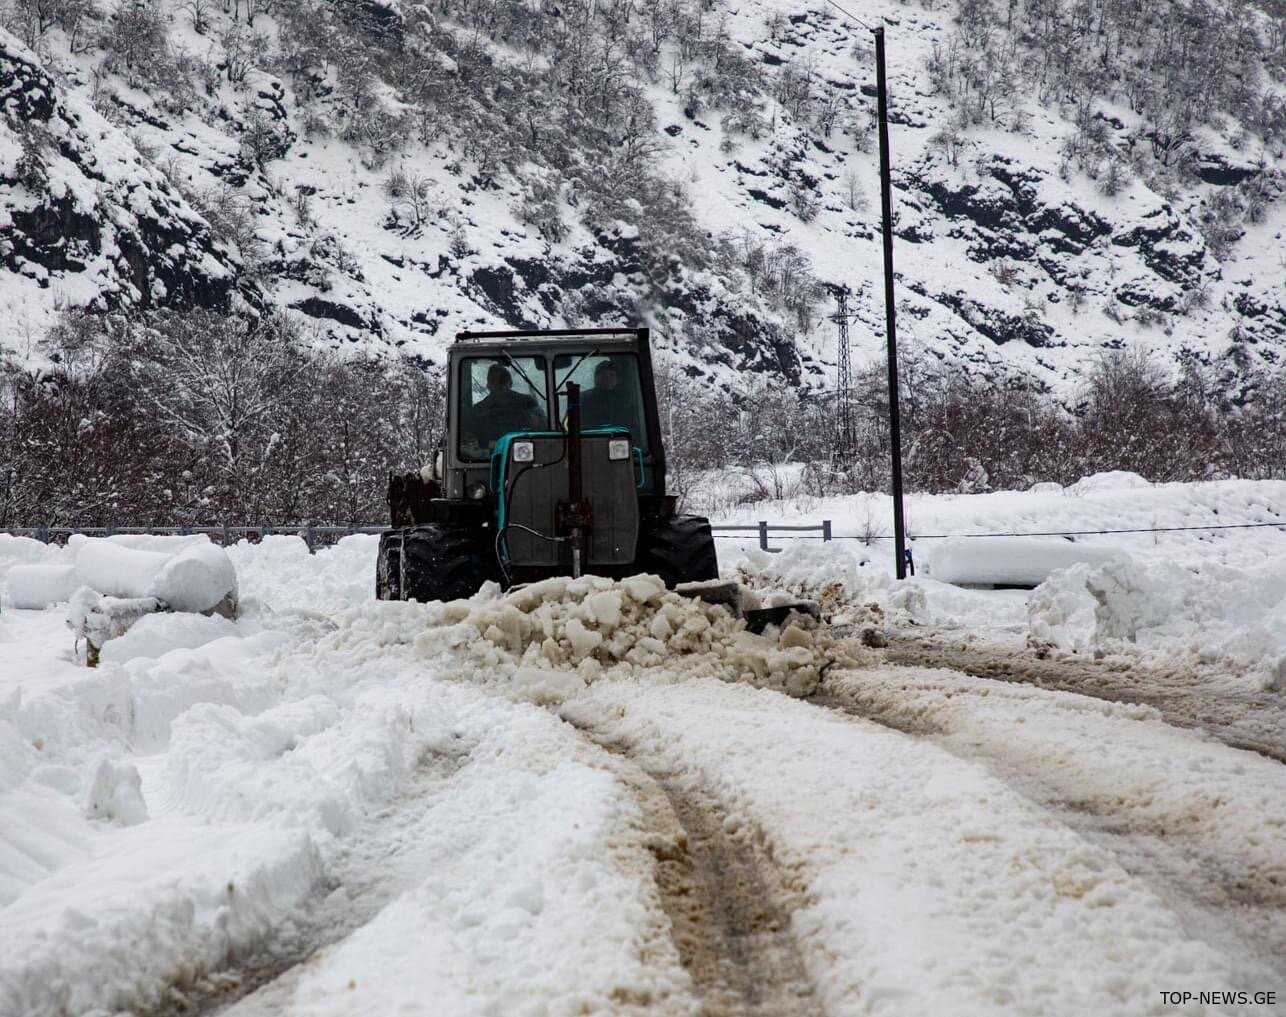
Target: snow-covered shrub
(137, 41)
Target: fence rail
(315, 535)
(312, 535)
(763, 530)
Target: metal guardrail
(314, 536)
(311, 535)
(764, 528)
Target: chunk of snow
(114, 792)
(1014, 561)
(16, 551)
(157, 634)
(542, 686)
(1216, 613)
(36, 587)
(117, 571)
(200, 577)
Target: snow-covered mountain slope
(87, 221)
(396, 173)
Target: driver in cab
(601, 406)
(501, 410)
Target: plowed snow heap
(554, 637)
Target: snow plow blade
(742, 603)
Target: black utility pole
(886, 201)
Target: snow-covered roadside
(1197, 596)
(177, 813)
(930, 886)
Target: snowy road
(598, 799)
(1185, 695)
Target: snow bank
(1014, 561)
(550, 639)
(190, 574)
(199, 578)
(36, 587)
(854, 593)
(1236, 616)
(15, 551)
(157, 634)
(117, 571)
(275, 571)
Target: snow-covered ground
(1186, 572)
(597, 797)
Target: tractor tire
(431, 562)
(388, 565)
(679, 549)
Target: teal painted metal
(500, 460)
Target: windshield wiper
(572, 369)
(518, 367)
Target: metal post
(576, 515)
(886, 202)
(826, 530)
(763, 534)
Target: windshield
(610, 394)
(498, 395)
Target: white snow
(117, 571)
(1011, 560)
(1215, 613)
(393, 788)
(39, 586)
(198, 578)
(187, 574)
(1179, 572)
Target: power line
(850, 15)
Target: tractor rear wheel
(679, 549)
(432, 562)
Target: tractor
(552, 465)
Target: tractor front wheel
(432, 562)
(679, 549)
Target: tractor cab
(552, 464)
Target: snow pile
(16, 551)
(154, 635)
(847, 589)
(1213, 614)
(552, 638)
(199, 578)
(1016, 561)
(36, 587)
(852, 592)
(117, 571)
(276, 569)
(193, 576)
(98, 619)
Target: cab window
(499, 395)
(610, 393)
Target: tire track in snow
(728, 906)
(1230, 894)
(373, 868)
(1185, 697)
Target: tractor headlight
(477, 491)
(618, 448)
(524, 451)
